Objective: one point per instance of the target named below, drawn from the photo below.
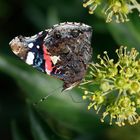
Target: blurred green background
(59, 117)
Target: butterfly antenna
(46, 97)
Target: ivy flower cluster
(117, 10)
(113, 88)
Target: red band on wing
(48, 61)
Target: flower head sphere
(113, 88)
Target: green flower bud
(112, 71)
(124, 102)
(105, 86)
(134, 87)
(121, 83)
(138, 102)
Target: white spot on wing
(62, 23)
(46, 30)
(85, 25)
(30, 45)
(48, 71)
(30, 58)
(38, 46)
(34, 36)
(55, 25)
(75, 23)
(46, 36)
(55, 59)
(70, 23)
(27, 37)
(40, 32)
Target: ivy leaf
(59, 106)
(16, 133)
(125, 34)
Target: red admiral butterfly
(62, 51)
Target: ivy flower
(113, 88)
(92, 4)
(117, 10)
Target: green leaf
(59, 106)
(36, 128)
(125, 34)
(16, 133)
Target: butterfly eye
(57, 35)
(75, 33)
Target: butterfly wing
(32, 51)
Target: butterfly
(63, 51)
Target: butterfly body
(63, 51)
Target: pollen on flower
(105, 86)
(92, 4)
(135, 87)
(123, 111)
(116, 10)
(113, 88)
